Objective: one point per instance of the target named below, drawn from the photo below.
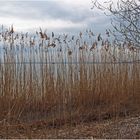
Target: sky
(54, 15)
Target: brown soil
(118, 128)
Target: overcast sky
(54, 15)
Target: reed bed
(63, 79)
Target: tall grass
(74, 81)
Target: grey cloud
(44, 10)
(18, 10)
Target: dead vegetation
(61, 84)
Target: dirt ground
(128, 128)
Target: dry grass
(62, 93)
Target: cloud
(59, 15)
(45, 10)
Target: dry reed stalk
(66, 92)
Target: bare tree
(125, 19)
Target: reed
(67, 86)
